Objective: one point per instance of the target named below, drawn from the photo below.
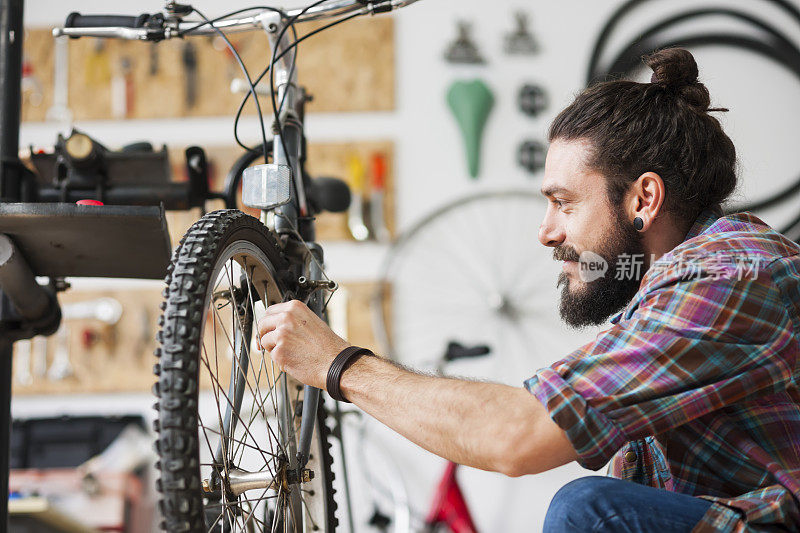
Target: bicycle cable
(276, 111)
(244, 71)
(313, 258)
(226, 15)
(267, 68)
(283, 14)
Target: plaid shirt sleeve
(689, 344)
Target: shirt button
(630, 456)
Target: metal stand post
(11, 173)
(5, 429)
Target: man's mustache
(565, 253)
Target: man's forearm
(484, 425)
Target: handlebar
(76, 20)
(157, 27)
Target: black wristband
(337, 368)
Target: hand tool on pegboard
(189, 60)
(60, 111)
(22, 374)
(377, 197)
(31, 86)
(355, 213)
(152, 66)
(62, 363)
(39, 365)
(97, 69)
(123, 90)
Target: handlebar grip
(76, 20)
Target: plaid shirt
(694, 387)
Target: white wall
(431, 168)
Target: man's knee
(577, 506)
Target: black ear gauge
(638, 223)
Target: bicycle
(216, 471)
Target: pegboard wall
(345, 68)
(89, 355)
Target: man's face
(587, 233)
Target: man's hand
(299, 341)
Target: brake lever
(177, 10)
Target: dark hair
(662, 127)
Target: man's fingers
(284, 307)
(268, 341)
(268, 323)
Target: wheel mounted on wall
(228, 419)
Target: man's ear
(645, 198)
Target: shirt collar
(703, 221)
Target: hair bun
(676, 69)
(672, 67)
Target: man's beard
(599, 299)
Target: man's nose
(551, 234)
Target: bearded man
(691, 393)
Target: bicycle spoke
(231, 404)
(263, 497)
(256, 393)
(219, 413)
(277, 507)
(243, 443)
(227, 336)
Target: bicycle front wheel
(228, 419)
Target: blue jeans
(605, 504)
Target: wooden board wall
(324, 159)
(349, 67)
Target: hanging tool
(107, 310)
(231, 67)
(97, 70)
(377, 196)
(152, 69)
(23, 365)
(355, 213)
(521, 41)
(39, 356)
(463, 49)
(122, 87)
(146, 334)
(189, 59)
(471, 102)
(59, 111)
(31, 86)
(62, 364)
